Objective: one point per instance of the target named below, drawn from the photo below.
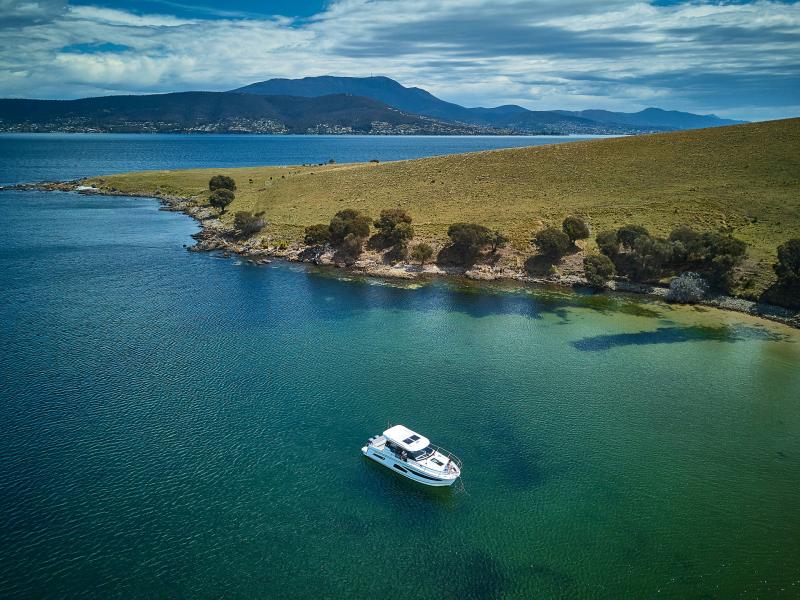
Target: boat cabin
(401, 439)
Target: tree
(422, 253)
(391, 218)
(608, 242)
(221, 198)
(218, 182)
(497, 240)
(317, 235)
(347, 222)
(788, 266)
(394, 230)
(247, 223)
(786, 291)
(467, 239)
(401, 234)
(649, 257)
(627, 234)
(552, 242)
(598, 269)
(687, 288)
(688, 244)
(723, 254)
(575, 228)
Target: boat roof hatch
(406, 439)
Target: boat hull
(405, 469)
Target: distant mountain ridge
(422, 102)
(328, 105)
(672, 119)
(219, 112)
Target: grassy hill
(743, 178)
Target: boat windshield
(422, 454)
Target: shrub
(598, 269)
(552, 242)
(221, 182)
(349, 222)
(497, 240)
(575, 228)
(317, 235)
(687, 288)
(247, 223)
(468, 239)
(627, 234)
(221, 198)
(608, 242)
(788, 266)
(422, 253)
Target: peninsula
(741, 182)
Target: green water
(176, 425)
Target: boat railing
(380, 442)
(450, 456)
(447, 454)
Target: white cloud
(550, 54)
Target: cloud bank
(734, 59)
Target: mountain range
(221, 112)
(367, 105)
(510, 116)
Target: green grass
(744, 178)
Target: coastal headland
(742, 181)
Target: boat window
(411, 440)
(436, 461)
(420, 454)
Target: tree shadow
(539, 265)
(780, 295)
(450, 256)
(344, 257)
(395, 254)
(675, 335)
(378, 242)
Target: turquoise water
(178, 425)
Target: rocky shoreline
(214, 236)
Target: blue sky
(737, 59)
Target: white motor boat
(412, 455)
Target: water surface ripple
(176, 425)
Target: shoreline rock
(213, 237)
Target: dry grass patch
(744, 179)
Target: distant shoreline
(598, 136)
(211, 239)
